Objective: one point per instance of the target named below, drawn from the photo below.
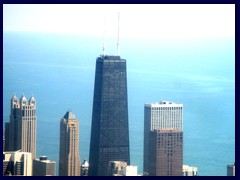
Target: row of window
(166, 108)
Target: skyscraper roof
(14, 97)
(69, 115)
(23, 98)
(85, 164)
(32, 99)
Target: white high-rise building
(164, 115)
(190, 171)
(17, 163)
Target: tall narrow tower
(20, 132)
(28, 110)
(109, 133)
(69, 159)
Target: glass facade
(109, 133)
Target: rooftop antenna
(118, 50)
(104, 43)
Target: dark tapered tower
(109, 133)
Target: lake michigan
(59, 70)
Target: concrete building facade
(165, 152)
(115, 168)
(190, 171)
(16, 163)
(44, 167)
(130, 170)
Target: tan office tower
(69, 160)
(20, 132)
(165, 152)
(16, 163)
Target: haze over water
(58, 70)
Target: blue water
(58, 70)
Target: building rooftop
(23, 98)
(69, 115)
(44, 159)
(85, 164)
(187, 167)
(14, 97)
(163, 104)
(32, 99)
(110, 57)
(18, 151)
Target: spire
(23, 101)
(32, 101)
(14, 101)
(14, 96)
(118, 50)
(23, 97)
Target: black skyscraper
(109, 133)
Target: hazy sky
(158, 21)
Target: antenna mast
(104, 43)
(118, 50)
